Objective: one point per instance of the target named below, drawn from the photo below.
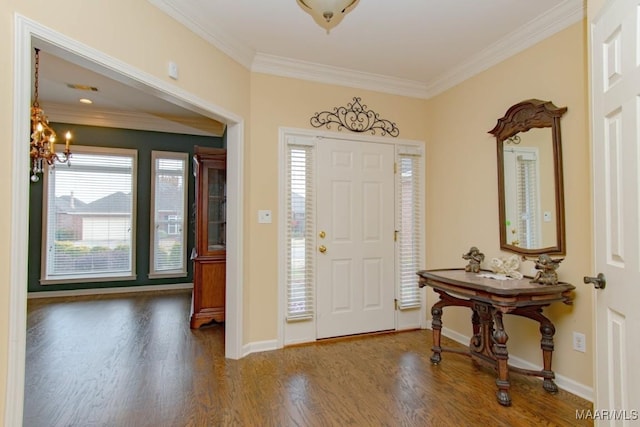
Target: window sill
(167, 275)
(59, 280)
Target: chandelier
(327, 13)
(43, 137)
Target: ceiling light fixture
(327, 13)
(43, 137)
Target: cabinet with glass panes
(209, 253)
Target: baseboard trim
(259, 346)
(561, 381)
(106, 291)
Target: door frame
(25, 32)
(305, 331)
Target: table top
(460, 278)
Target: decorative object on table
(475, 257)
(547, 270)
(507, 266)
(357, 118)
(43, 137)
(327, 13)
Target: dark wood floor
(133, 361)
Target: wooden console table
(489, 299)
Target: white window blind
(90, 215)
(300, 232)
(527, 200)
(168, 225)
(409, 227)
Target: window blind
(527, 200)
(409, 227)
(300, 232)
(169, 200)
(89, 215)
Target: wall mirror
(530, 186)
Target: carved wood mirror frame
(522, 117)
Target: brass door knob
(322, 249)
(322, 234)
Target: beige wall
(593, 7)
(280, 102)
(461, 172)
(462, 204)
(134, 32)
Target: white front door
(355, 258)
(616, 134)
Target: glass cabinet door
(216, 208)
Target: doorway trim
(306, 331)
(26, 31)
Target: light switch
(172, 70)
(547, 216)
(264, 216)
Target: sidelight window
(168, 221)
(410, 229)
(300, 232)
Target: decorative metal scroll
(355, 117)
(515, 139)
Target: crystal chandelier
(327, 13)
(43, 137)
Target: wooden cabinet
(209, 254)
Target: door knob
(322, 234)
(322, 249)
(599, 282)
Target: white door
(355, 258)
(616, 135)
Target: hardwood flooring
(131, 360)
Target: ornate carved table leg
(502, 358)
(436, 325)
(482, 321)
(475, 322)
(547, 330)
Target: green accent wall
(145, 142)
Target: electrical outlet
(579, 342)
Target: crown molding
(286, 67)
(555, 20)
(560, 17)
(193, 20)
(61, 113)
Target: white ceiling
(115, 103)
(415, 48)
(410, 47)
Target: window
(522, 197)
(169, 202)
(174, 224)
(409, 215)
(300, 232)
(527, 200)
(89, 209)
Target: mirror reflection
(530, 179)
(530, 206)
